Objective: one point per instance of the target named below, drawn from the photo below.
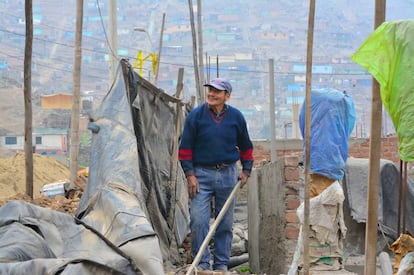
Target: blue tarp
(332, 121)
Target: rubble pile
(46, 169)
(58, 203)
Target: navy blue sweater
(208, 139)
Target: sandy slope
(46, 169)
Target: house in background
(46, 141)
(57, 101)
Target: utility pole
(200, 98)
(74, 122)
(113, 41)
(200, 47)
(272, 110)
(28, 116)
(159, 50)
(374, 162)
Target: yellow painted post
(154, 59)
(139, 61)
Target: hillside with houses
(239, 38)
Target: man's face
(217, 97)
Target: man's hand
(243, 178)
(193, 187)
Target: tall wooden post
(74, 122)
(374, 163)
(28, 116)
(158, 57)
(113, 40)
(200, 94)
(200, 46)
(309, 54)
(272, 118)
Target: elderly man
(214, 138)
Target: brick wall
(293, 185)
(291, 152)
(358, 148)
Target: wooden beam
(374, 163)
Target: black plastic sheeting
(157, 116)
(136, 149)
(36, 240)
(133, 215)
(355, 185)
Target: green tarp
(388, 55)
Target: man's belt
(217, 166)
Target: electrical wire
(223, 68)
(104, 30)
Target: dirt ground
(46, 169)
(13, 174)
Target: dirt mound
(58, 203)
(46, 169)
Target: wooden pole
(404, 199)
(309, 54)
(400, 198)
(208, 68)
(157, 68)
(113, 40)
(217, 66)
(28, 114)
(200, 98)
(74, 122)
(178, 126)
(200, 45)
(178, 129)
(374, 163)
(272, 110)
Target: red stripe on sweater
(246, 154)
(185, 154)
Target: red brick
(291, 232)
(291, 173)
(291, 217)
(292, 202)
